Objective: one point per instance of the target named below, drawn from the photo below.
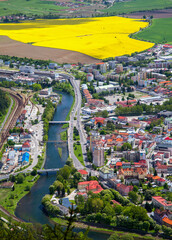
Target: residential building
(106, 172)
(46, 91)
(124, 189)
(25, 158)
(167, 222)
(87, 186)
(161, 202)
(98, 156)
(159, 214)
(90, 77)
(83, 173)
(26, 146)
(119, 68)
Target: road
(76, 113)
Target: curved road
(76, 112)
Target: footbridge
(58, 122)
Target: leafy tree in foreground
(11, 231)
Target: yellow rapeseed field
(98, 37)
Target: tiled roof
(162, 201)
(115, 202)
(167, 220)
(83, 172)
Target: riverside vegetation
(99, 208)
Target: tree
(146, 226)
(155, 173)
(148, 207)
(135, 188)
(63, 192)
(12, 178)
(51, 189)
(34, 172)
(105, 114)
(27, 188)
(133, 196)
(64, 172)
(167, 231)
(109, 151)
(165, 186)
(137, 213)
(126, 146)
(36, 87)
(157, 228)
(20, 178)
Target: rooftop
(162, 201)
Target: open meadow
(28, 7)
(123, 7)
(97, 37)
(158, 32)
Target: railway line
(19, 104)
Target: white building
(90, 77)
(27, 69)
(103, 88)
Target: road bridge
(47, 171)
(55, 141)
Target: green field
(60, 151)
(9, 198)
(138, 5)
(28, 7)
(63, 136)
(78, 153)
(158, 32)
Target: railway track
(19, 104)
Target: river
(29, 207)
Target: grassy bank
(106, 230)
(137, 5)
(9, 198)
(60, 151)
(76, 138)
(63, 136)
(41, 158)
(68, 116)
(78, 153)
(158, 32)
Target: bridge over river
(58, 122)
(47, 171)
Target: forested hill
(4, 102)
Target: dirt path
(10, 215)
(18, 49)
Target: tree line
(4, 102)
(140, 109)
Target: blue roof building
(25, 158)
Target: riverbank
(9, 198)
(23, 182)
(109, 232)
